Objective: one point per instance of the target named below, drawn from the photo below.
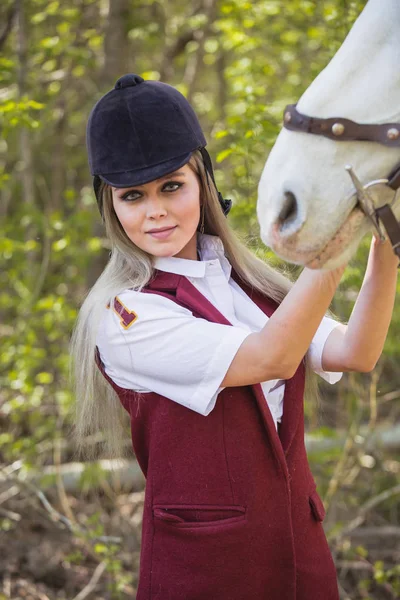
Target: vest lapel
(190, 297)
(293, 408)
(179, 288)
(293, 398)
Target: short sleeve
(159, 346)
(316, 348)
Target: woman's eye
(174, 184)
(127, 196)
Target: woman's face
(173, 201)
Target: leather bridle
(345, 130)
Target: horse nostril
(289, 210)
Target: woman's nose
(155, 208)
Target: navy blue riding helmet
(141, 130)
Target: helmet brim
(139, 177)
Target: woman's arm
(276, 351)
(358, 346)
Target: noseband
(345, 130)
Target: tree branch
(193, 63)
(89, 588)
(365, 508)
(177, 47)
(9, 21)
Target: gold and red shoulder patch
(127, 317)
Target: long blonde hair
(99, 413)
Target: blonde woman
(203, 347)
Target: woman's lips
(161, 235)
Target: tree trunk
(117, 59)
(195, 59)
(24, 140)
(117, 62)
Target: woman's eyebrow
(174, 174)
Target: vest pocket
(317, 506)
(198, 515)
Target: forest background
(71, 530)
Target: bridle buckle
(366, 201)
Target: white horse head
(306, 206)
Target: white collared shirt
(167, 350)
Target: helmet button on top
(128, 80)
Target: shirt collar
(210, 248)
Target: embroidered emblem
(127, 317)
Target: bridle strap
(394, 178)
(341, 130)
(385, 214)
(345, 130)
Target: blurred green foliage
(267, 53)
(255, 58)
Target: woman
(202, 345)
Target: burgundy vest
(231, 511)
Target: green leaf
(224, 154)
(44, 377)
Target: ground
(41, 559)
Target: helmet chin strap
(226, 204)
